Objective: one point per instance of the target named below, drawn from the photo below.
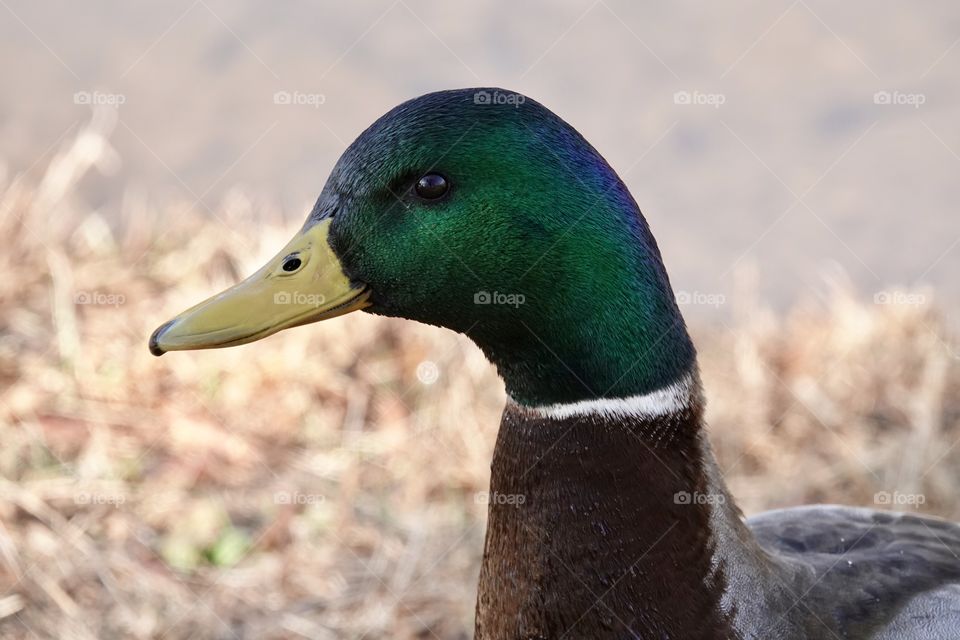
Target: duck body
(864, 573)
(608, 515)
(647, 543)
(598, 557)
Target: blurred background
(797, 161)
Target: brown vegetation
(325, 483)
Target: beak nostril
(155, 339)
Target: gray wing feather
(870, 574)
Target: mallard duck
(481, 211)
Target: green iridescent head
(481, 211)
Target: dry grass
(313, 485)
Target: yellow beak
(304, 283)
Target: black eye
(292, 264)
(432, 186)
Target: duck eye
(431, 186)
(291, 264)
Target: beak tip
(154, 343)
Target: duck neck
(609, 520)
(597, 318)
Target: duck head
(481, 211)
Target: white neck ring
(669, 400)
